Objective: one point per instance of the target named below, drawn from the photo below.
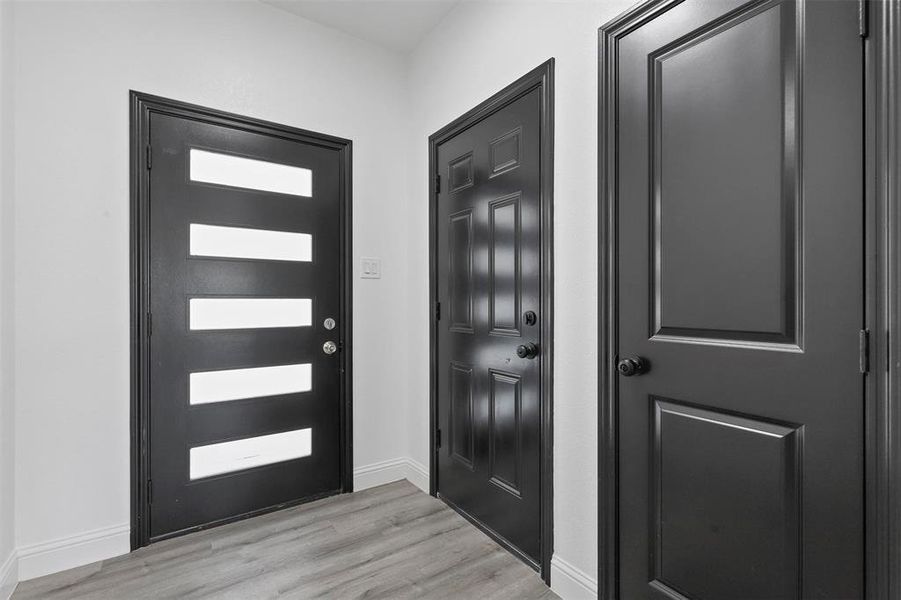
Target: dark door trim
(541, 78)
(883, 289)
(881, 28)
(141, 107)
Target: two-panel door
(245, 296)
(738, 259)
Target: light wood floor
(393, 541)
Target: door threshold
(244, 516)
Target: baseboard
(9, 575)
(58, 555)
(387, 471)
(418, 475)
(571, 583)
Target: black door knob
(634, 365)
(529, 351)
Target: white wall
(76, 63)
(7, 430)
(477, 50)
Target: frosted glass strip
(240, 242)
(249, 173)
(249, 313)
(226, 457)
(235, 384)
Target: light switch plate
(370, 268)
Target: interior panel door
(739, 273)
(245, 267)
(488, 276)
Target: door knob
(330, 347)
(529, 351)
(634, 365)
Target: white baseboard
(73, 551)
(418, 475)
(9, 576)
(387, 471)
(571, 583)
(58, 555)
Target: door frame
(541, 78)
(881, 29)
(141, 107)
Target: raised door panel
(725, 504)
(505, 432)
(460, 271)
(462, 435)
(460, 173)
(506, 152)
(726, 200)
(505, 276)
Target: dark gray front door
(245, 273)
(739, 292)
(488, 359)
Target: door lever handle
(633, 365)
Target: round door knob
(330, 347)
(529, 350)
(634, 365)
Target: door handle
(633, 365)
(330, 347)
(529, 351)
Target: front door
(245, 268)
(739, 269)
(488, 351)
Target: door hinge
(864, 344)
(437, 438)
(863, 16)
(149, 491)
(437, 184)
(149, 157)
(437, 311)
(149, 324)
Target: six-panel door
(488, 276)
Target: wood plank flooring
(393, 541)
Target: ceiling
(396, 24)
